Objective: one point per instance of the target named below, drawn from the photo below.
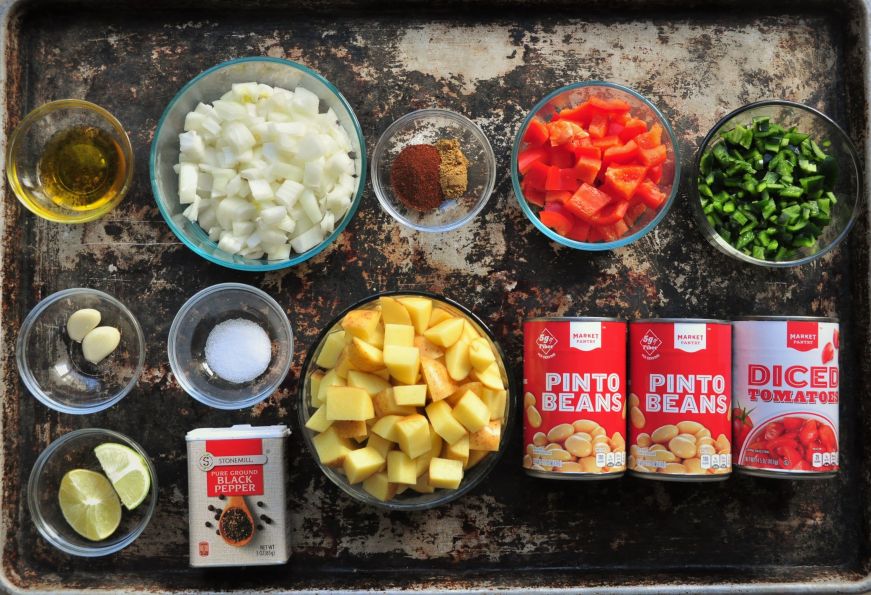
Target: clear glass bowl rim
(267, 265)
(447, 495)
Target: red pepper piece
(611, 214)
(557, 196)
(613, 231)
(614, 128)
(650, 139)
(532, 195)
(605, 142)
(529, 156)
(618, 117)
(586, 202)
(654, 156)
(581, 114)
(633, 128)
(536, 175)
(654, 174)
(562, 131)
(621, 181)
(587, 151)
(554, 179)
(536, 133)
(634, 212)
(650, 193)
(556, 221)
(621, 154)
(580, 232)
(586, 169)
(562, 157)
(598, 125)
(609, 105)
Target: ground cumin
(454, 168)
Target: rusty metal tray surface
(491, 61)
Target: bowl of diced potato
(406, 401)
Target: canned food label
(787, 382)
(574, 396)
(679, 401)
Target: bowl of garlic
(258, 164)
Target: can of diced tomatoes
(574, 398)
(785, 415)
(680, 382)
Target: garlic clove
(100, 342)
(82, 322)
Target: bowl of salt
(230, 346)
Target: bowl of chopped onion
(258, 164)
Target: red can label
(574, 402)
(785, 417)
(680, 376)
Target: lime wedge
(89, 504)
(127, 471)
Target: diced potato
(358, 430)
(333, 345)
(361, 323)
(438, 315)
(378, 486)
(413, 435)
(445, 473)
(379, 443)
(480, 354)
(364, 356)
(437, 379)
(314, 383)
(383, 373)
(400, 468)
(399, 334)
(393, 312)
(457, 359)
(475, 457)
(475, 387)
(403, 363)
(331, 378)
(428, 349)
(331, 448)
(471, 411)
(491, 377)
(496, 401)
(444, 422)
(386, 427)
(422, 486)
(487, 438)
(412, 394)
(343, 364)
(401, 487)
(458, 451)
(361, 463)
(385, 404)
(375, 338)
(348, 403)
(421, 463)
(419, 309)
(318, 421)
(469, 331)
(369, 382)
(445, 333)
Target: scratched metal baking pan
(491, 61)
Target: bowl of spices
(230, 346)
(433, 170)
(69, 161)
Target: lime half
(127, 471)
(89, 504)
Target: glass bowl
(191, 328)
(29, 140)
(75, 450)
(208, 86)
(571, 96)
(426, 127)
(820, 127)
(408, 500)
(52, 366)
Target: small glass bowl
(52, 366)
(427, 126)
(208, 86)
(408, 500)
(191, 327)
(28, 142)
(75, 450)
(820, 127)
(641, 107)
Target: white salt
(238, 350)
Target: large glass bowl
(206, 88)
(641, 107)
(408, 500)
(847, 186)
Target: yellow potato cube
(386, 427)
(314, 383)
(358, 430)
(364, 356)
(457, 359)
(393, 312)
(343, 364)
(496, 401)
(444, 423)
(491, 377)
(487, 438)
(348, 403)
(422, 486)
(399, 334)
(458, 451)
(419, 309)
(331, 378)
(375, 338)
(475, 457)
(361, 323)
(428, 349)
(379, 443)
(469, 331)
(331, 448)
(472, 412)
(445, 473)
(445, 333)
(412, 394)
(385, 404)
(333, 345)
(412, 433)
(437, 379)
(378, 486)
(369, 382)
(318, 421)
(421, 463)
(403, 363)
(475, 387)
(383, 373)
(400, 468)
(438, 316)
(361, 463)
(480, 354)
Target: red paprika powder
(415, 177)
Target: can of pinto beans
(680, 381)
(785, 415)
(574, 401)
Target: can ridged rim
(675, 477)
(574, 476)
(788, 318)
(574, 318)
(775, 474)
(690, 320)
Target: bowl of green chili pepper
(777, 184)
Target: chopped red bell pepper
(558, 196)
(586, 202)
(536, 133)
(654, 174)
(654, 156)
(605, 142)
(580, 114)
(529, 156)
(614, 128)
(650, 193)
(612, 213)
(598, 125)
(609, 105)
(621, 181)
(557, 218)
(613, 231)
(635, 211)
(554, 179)
(562, 157)
(586, 169)
(618, 117)
(650, 139)
(622, 154)
(633, 128)
(580, 232)
(588, 151)
(536, 175)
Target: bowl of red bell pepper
(595, 166)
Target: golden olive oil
(82, 168)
